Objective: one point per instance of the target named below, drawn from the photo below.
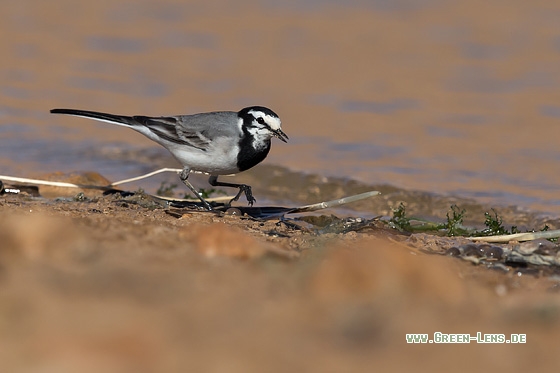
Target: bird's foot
(243, 188)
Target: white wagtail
(216, 143)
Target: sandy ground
(115, 285)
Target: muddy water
(450, 97)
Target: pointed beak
(281, 135)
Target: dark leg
(243, 188)
(184, 175)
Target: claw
(246, 189)
(243, 188)
(248, 194)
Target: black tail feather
(97, 115)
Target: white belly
(219, 159)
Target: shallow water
(459, 97)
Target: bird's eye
(260, 120)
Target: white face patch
(273, 122)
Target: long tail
(121, 120)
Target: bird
(215, 143)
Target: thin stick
(71, 185)
(518, 236)
(51, 183)
(176, 170)
(337, 202)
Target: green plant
(454, 225)
(399, 220)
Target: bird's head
(262, 122)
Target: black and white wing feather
(170, 129)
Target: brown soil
(120, 285)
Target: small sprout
(454, 224)
(399, 220)
(494, 226)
